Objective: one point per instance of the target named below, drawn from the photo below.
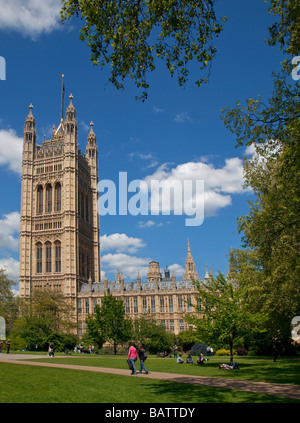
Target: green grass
(261, 369)
(28, 384)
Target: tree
(271, 229)
(8, 301)
(109, 322)
(45, 317)
(129, 36)
(225, 312)
(151, 334)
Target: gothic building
(59, 237)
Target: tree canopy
(109, 323)
(225, 313)
(129, 36)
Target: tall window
(172, 328)
(189, 301)
(181, 325)
(180, 309)
(87, 211)
(170, 304)
(162, 305)
(152, 304)
(58, 197)
(40, 200)
(127, 306)
(39, 258)
(135, 305)
(49, 198)
(144, 305)
(48, 257)
(57, 256)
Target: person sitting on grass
(180, 360)
(189, 359)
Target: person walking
(142, 356)
(132, 356)
(7, 346)
(175, 349)
(51, 350)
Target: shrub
(198, 348)
(223, 351)
(241, 351)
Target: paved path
(283, 390)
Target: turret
(29, 133)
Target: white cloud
(182, 117)
(147, 224)
(11, 267)
(178, 270)
(157, 110)
(130, 266)
(219, 184)
(120, 243)
(30, 17)
(11, 150)
(9, 231)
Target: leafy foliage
(128, 36)
(8, 301)
(108, 323)
(151, 334)
(45, 318)
(225, 315)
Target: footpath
(283, 390)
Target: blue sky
(176, 134)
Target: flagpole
(62, 97)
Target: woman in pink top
(132, 356)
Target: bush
(223, 351)
(241, 351)
(198, 348)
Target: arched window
(87, 211)
(39, 258)
(49, 198)
(58, 197)
(40, 199)
(57, 256)
(48, 257)
(82, 205)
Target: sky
(175, 135)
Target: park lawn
(27, 384)
(260, 369)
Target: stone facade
(59, 237)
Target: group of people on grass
(200, 360)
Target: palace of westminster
(60, 236)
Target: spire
(206, 277)
(30, 117)
(71, 111)
(189, 254)
(190, 269)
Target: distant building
(59, 236)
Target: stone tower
(59, 237)
(190, 268)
